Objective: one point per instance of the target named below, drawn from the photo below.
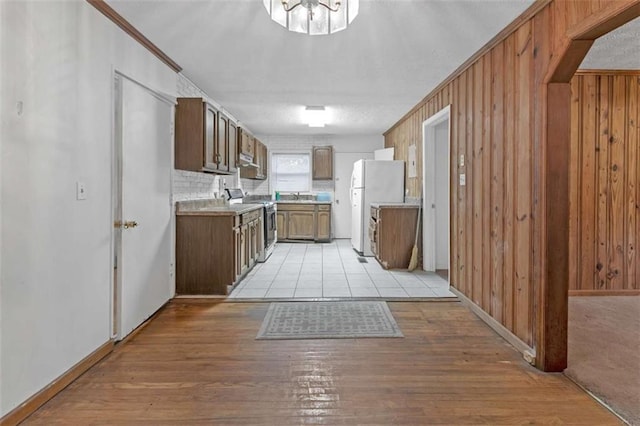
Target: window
(291, 172)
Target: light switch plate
(81, 191)
(463, 179)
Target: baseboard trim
(28, 407)
(604, 293)
(528, 353)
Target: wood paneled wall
(605, 182)
(498, 121)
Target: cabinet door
(244, 243)
(265, 162)
(238, 252)
(322, 162)
(233, 146)
(210, 126)
(301, 225)
(259, 236)
(281, 225)
(324, 226)
(222, 143)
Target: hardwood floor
(199, 363)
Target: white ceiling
(618, 50)
(367, 76)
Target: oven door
(270, 227)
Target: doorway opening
(593, 114)
(436, 169)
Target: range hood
(246, 161)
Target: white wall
(356, 143)
(57, 58)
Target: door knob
(130, 224)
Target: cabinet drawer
(251, 216)
(324, 207)
(296, 207)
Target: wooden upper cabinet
(260, 159)
(322, 163)
(222, 143)
(246, 151)
(201, 143)
(233, 146)
(195, 135)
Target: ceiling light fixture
(315, 116)
(313, 17)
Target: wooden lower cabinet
(213, 252)
(282, 218)
(392, 232)
(301, 225)
(306, 222)
(323, 220)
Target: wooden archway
(552, 321)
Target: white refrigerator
(372, 181)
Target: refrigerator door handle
(351, 187)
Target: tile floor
(332, 270)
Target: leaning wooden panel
(617, 173)
(462, 241)
(454, 247)
(589, 133)
(509, 178)
(523, 208)
(469, 164)
(633, 182)
(574, 179)
(497, 184)
(474, 181)
(602, 214)
(486, 184)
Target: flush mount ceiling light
(314, 17)
(315, 116)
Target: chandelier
(314, 17)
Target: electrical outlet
(81, 191)
(463, 179)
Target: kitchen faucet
(297, 195)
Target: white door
(436, 191)
(343, 167)
(142, 200)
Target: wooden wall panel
(498, 122)
(604, 182)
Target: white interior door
(436, 191)
(143, 242)
(343, 166)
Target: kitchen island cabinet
(304, 221)
(216, 247)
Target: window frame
(290, 152)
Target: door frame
(115, 278)
(428, 188)
(553, 293)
